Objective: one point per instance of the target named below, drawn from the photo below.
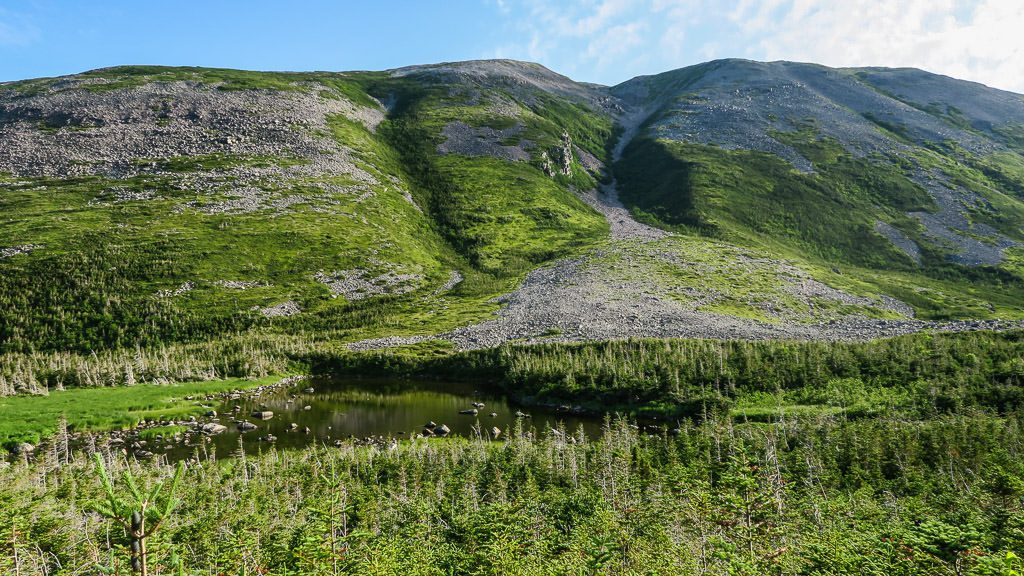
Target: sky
(603, 41)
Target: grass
(825, 221)
(715, 276)
(27, 418)
(160, 432)
(97, 283)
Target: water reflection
(344, 409)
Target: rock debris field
(578, 299)
(270, 141)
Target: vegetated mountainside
(150, 206)
(909, 181)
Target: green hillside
(106, 264)
(188, 211)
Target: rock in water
(213, 429)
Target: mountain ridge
(482, 202)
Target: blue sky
(605, 41)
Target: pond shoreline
(252, 419)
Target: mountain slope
(825, 164)
(148, 206)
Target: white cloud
(986, 45)
(981, 40)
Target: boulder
(213, 428)
(470, 412)
(495, 432)
(244, 426)
(262, 414)
(442, 430)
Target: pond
(346, 409)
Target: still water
(344, 409)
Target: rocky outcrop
(559, 159)
(283, 309)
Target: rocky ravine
(584, 298)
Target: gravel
(973, 244)
(289, 308)
(466, 140)
(16, 250)
(454, 279)
(179, 291)
(119, 134)
(241, 284)
(900, 240)
(357, 284)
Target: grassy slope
(95, 285)
(825, 220)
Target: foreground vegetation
(899, 456)
(808, 496)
